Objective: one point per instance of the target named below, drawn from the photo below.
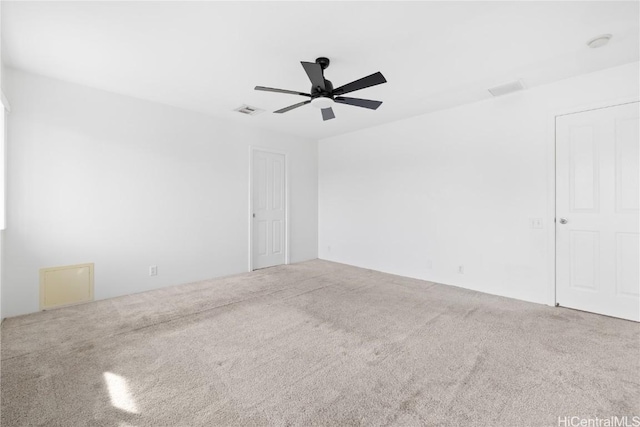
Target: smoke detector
(599, 41)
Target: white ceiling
(208, 56)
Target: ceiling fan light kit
(322, 102)
(322, 94)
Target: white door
(269, 209)
(597, 211)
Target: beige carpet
(316, 343)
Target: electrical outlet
(429, 264)
(461, 269)
(153, 270)
(328, 248)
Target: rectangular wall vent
(506, 88)
(249, 110)
(68, 285)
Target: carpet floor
(316, 343)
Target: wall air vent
(506, 88)
(67, 285)
(249, 110)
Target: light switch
(536, 223)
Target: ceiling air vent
(506, 88)
(249, 110)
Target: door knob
(563, 220)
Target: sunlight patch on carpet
(119, 393)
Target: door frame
(252, 150)
(551, 179)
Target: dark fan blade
(365, 103)
(270, 89)
(372, 80)
(314, 71)
(327, 114)
(291, 107)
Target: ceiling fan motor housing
(317, 91)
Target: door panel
(584, 260)
(269, 209)
(597, 193)
(262, 238)
(260, 202)
(277, 243)
(627, 255)
(584, 170)
(627, 168)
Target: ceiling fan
(323, 95)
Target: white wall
(2, 170)
(125, 183)
(422, 196)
